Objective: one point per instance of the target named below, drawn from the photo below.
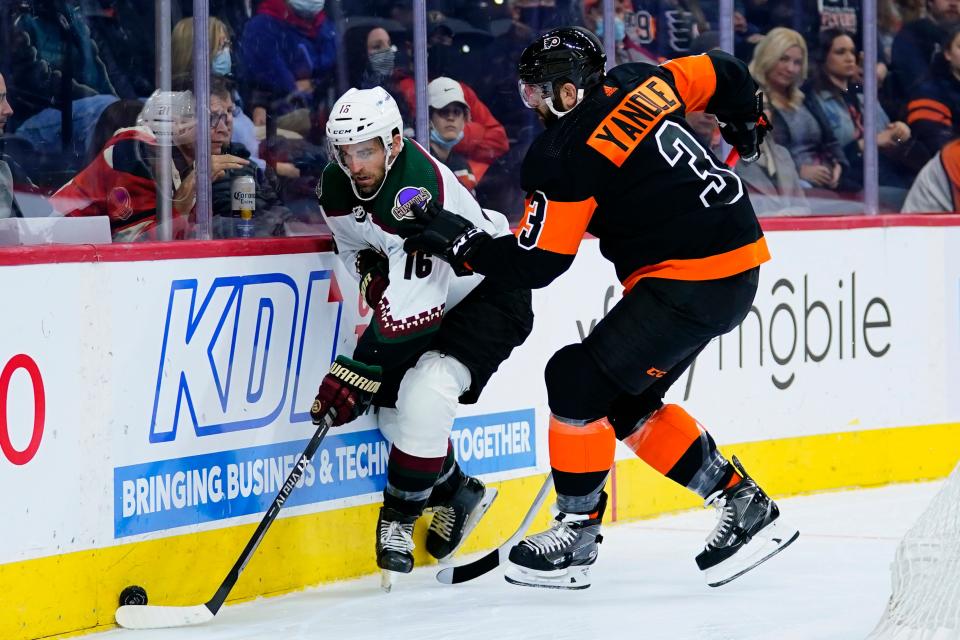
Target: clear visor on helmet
(533, 95)
(360, 152)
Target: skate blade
(768, 542)
(489, 495)
(571, 578)
(388, 579)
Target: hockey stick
(144, 616)
(732, 158)
(492, 560)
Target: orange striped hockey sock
(676, 445)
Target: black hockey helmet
(569, 54)
(566, 53)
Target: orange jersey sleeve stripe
(695, 79)
(581, 449)
(931, 110)
(721, 265)
(554, 225)
(664, 438)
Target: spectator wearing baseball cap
(449, 114)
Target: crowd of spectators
(84, 127)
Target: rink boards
(154, 397)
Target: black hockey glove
(746, 135)
(450, 237)
(374, 270)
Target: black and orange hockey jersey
(625, 167)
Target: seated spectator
(772, 180)
(288, 50)
(61, 86)
(123, 34)
(371, 56)
(122, 181)
(916, 43)
(484, 138)
(934, 108)
(779, 66)
(449, 115)
(937, 187)
(221, 62)
(43, 41)
(12, 178)
(835, 95)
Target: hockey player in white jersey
(435, 337)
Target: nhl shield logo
(406, 198)
(359, 213)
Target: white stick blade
(135, 616)
(445, 576)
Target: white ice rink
(832, 584)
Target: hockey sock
(410, 481)
(581, 455)
(449, 480)
(677, 446)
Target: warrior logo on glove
(346, 391)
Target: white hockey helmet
(170, 115)
(360, 115)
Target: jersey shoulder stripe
(625, 127)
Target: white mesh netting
(925, 600)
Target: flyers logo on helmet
(551, 42)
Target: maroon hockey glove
(346, 390)
(450, 237)
(746, 134)
(373, 268)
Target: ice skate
(394, 546)
(749, 532)
(454, 520)
(560, 557)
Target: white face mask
(308, 7)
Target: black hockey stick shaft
(493, 559)
(296, 473)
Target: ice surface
(832, 584)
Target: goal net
(925, 599)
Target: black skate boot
(454, 520)
(749, 532)
(560, 557)
(394, 545)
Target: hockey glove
(450, 237)
(746, 136)
(347, 390)
(374, 275)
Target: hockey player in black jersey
(618, 160)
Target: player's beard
(546, 116)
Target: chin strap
(560, 114)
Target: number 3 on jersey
(536, 215)
(676, 144)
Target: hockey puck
(133, 595)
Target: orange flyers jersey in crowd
(625, 166)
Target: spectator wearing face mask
(371, 56)
(484, 138)
(221, 64)
(449, 115)
(288, 49)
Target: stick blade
(138, 616)
(471, 570)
